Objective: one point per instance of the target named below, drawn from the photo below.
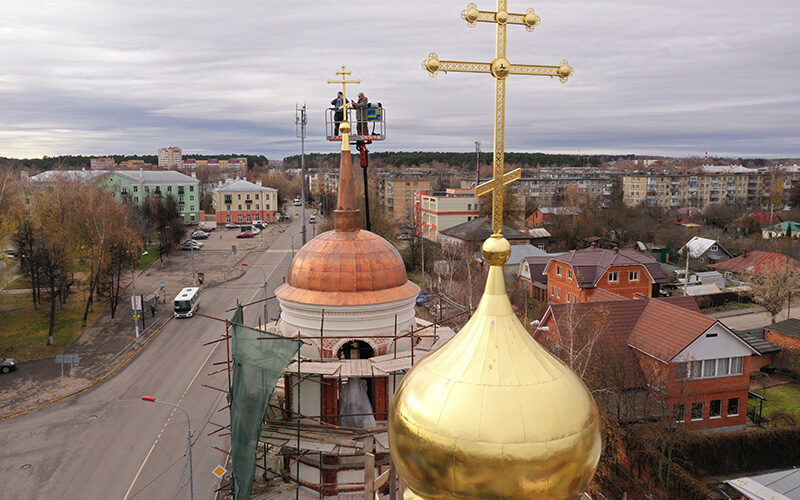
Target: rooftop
(756, 262)
(590, 264)
(790, 327)
(480, 229)
(239, 185)
(155, 176)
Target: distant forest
(79, 162)
(464, 160)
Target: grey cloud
(119, 76)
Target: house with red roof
(663, 349)
(754, 263)
(575, 276)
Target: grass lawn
(19, 283)
(781, 398)
(146, 259)
(8, 300)
(23, 333)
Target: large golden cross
(344, 83)
(499, 68)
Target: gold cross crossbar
(499, 68)
(344, 83)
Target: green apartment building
(134, 186)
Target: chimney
(258, 182)
(194, 175)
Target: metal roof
(70, 175)
(756, 262)
(156, 176)
(479, 229)
(240, 185)
(590, 264)
(781, 485)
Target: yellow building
(398, 193)
(241, 201)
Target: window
(680, 412)
(136, 199)
(227, 218)
(135, 189)
(191, 188)
(733, 407)
(633, 276)
(552, 290)
(247, 196)
(192, 217)
(191, 198)
(239, 217)
(540, 246)
(682, 370)
(715, 408)
(711, 335)
(697, 411)
(558, 293)
(723, 365)
(169, 189)
(240, 207)
(709, 367)
(558, 270)
(147, 189)
(613, 277)
(249, 218)
(697, 369)
(569, 297)
(239, 197)
(569, 274)
(714, 248)
(736, 366)
(256, 195)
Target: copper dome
(347, 268)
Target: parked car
(260, 224)
(7, 365)
(205, 229)
(297, 202)
(246, 234)
(231, 225)
(9, 253)
(312, 219)
(199, 235)
(191, 245)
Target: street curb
(105, 377)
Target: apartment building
(322, 182)
(700, 190)
(135, 186)
(232, 164)
(102, 163)
(435, 211)
(398, 191)
(170, 157)
(241, 201)
(547, 186)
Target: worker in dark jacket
(338, 115)
(361, 113)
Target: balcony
(248, 202)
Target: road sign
(219, 471)
(72, 359)
(163, 285)
(136, 302)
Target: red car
(245, 235)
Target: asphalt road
(106, 443)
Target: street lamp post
(266, 315)
(151, 399)
(292, 237)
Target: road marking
(127, 493)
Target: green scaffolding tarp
(257, 366)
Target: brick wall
(567, 289)
(781, 339)
(330, 401)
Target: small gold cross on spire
(499, 68)
(344, 128)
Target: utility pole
(477, 163)
(300, 126)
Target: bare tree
(772, 289)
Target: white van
(312, 219)
(297, 202)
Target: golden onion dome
(491, 414)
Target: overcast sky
(651, 77)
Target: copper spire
(347, 216)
